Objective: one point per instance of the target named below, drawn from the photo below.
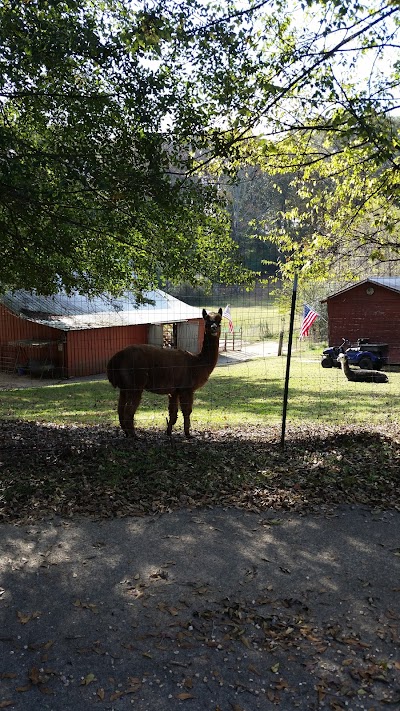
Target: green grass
(258, 321)
(62, 454)
(250, 393)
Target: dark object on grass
(362, 376)
(164, 371)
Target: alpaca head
(213, 323)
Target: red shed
(70, 336)
(369, 309)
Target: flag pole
(289, 355)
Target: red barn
(369, 309)
(73, 335)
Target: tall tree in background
(112, 115)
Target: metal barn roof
(76, 312)
(389, 282)
(392, 283)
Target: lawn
(62, 452)
(256, 321)
(250, 392)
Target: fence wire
(52, 365)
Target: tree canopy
(116, 117)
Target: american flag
(309, 316)
(227, 314)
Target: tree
(345, 217)
(115, 116)
(92, 193)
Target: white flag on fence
(227, 314)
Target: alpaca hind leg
(186, 401)
(128, 404)
(172, 411)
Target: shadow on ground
(218, 573)
(49, 470)
(212, 609)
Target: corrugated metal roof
(389, 282)
(77, 312)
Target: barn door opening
(155, 334)
(163, 335)
(188, 336)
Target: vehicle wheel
(327, 362)
(365, 364)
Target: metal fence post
(289, 355)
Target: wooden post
(280, 344)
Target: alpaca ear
(220, 312)
(205, 314)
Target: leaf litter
(49, 470)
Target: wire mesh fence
(54, 352)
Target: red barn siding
(354, 314)
(88, 351)
(74, 353)
(14, 328)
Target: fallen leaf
(45, 690)
(4, 704)
(88, 679)
(133, 689)
(202, 591)
(28, 616)
(34, 676)
(116, 695)
(86, 606)
(184, 696)
(275, 668)
(253, 669)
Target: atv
(368, 356)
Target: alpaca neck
(346, 369)
(209, 352)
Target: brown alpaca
(361, 376)
(171, 372)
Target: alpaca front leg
(172, 411)
(186, 401)
(128, 404)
